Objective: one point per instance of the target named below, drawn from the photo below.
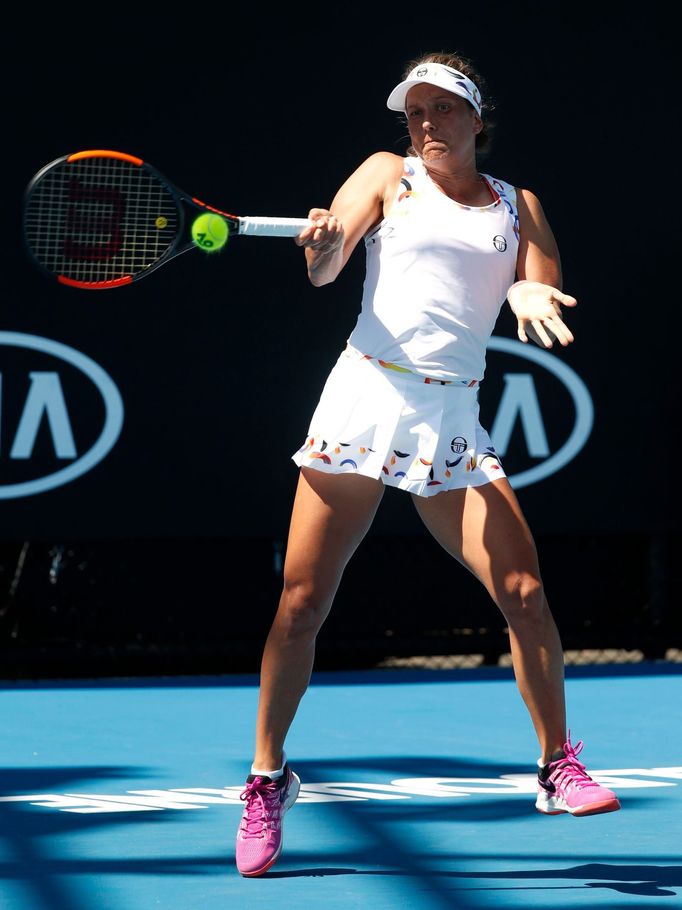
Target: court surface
(418, 792)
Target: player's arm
(357, 206)
(536, 298)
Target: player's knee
(302, 610)
(523, 598)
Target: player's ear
(478, 123)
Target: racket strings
(100, 219)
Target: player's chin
(434, 152)
(435, 149)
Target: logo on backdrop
(60, 414)
(567, 410)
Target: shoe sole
(608, 805)
(294, 789)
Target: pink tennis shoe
(260, 833)
(565, 786)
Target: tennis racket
(103, 219)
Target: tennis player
(446, 245)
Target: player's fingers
(316, 214)
(326, 240)
(337, 231)
(317, 218)
(541, 333)
(563, 299)
(563, 334)
(304, 238)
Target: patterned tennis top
(437, 275)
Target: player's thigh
(331, 515)
(485, 529)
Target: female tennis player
(445, 245)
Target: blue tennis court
(418, 790)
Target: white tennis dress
(401, 403)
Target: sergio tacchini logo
(39, 404)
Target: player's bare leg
(484, 528)
(331, 515)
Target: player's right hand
(325, 234)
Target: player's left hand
(537, 308)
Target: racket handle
(272, 227)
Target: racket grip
(272, 227)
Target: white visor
(436, 74)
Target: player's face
(442, 125)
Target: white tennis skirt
(419, 436)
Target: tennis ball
(210, 232)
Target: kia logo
(36, 408)
(37, 411)
(519, 403)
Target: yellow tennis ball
(210, 232)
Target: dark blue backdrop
(220, 360)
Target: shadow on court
(400, 840)
(646, 881)
(30, 837)
(388, 839)
(425, 841)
